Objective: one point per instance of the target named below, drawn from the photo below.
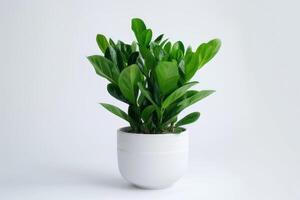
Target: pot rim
(124, 130)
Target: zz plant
(153, 77)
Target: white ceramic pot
(152, 161)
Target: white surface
(152, 161)
(56, 142)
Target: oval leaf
(102, 42)
(138, 26)
(207, 51)
(105, 68)
(128, 80)
(167, 76)
(114, 91)
(190, 118)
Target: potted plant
(153, 77)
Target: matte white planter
(152, 161)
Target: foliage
(153, 77)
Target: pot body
(152, 161)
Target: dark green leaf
(146, 93)
(190, 118)
(105, 68)
(117, 111)
(102, 42)
(149, 59)
(133, 58)
(115, 91)
(147, 112)
(159, 38)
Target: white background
(56, 142)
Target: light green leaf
(167, 76)
(177, 94)
(190, 118)
(117, 111)
(128, 80)
(207, 51)
(102, 42)
(105, 68)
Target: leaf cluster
(153, 76)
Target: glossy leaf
(152, 76)
(207, 51)
(128, 80)
(102, 42)
(105, 68)
(167, 76)
(146, 37)
(146, 93)
(138, 26)
(194, 98)
(117, 111)
(115, 91)
(177, 94)
(190, 118)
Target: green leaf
(133, 58)
(177, 94)
(191, 65)
(159, 38)
(115, 56)
(146, 93)
(138, 26)
(146, 37)
(117, 111)
(194, 98)
(148, 57)
(167, 47)
(147, 112)
(105, 68)
(128, 80)
(167, 76)
(115, 91)
(190, 118)
(177, 45)
(207, 51)
(102, 42)
(134, 114)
